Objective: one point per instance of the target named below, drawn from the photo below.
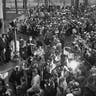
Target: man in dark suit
(2, 87)
(1, 50)
(1, 26)
(30, 46)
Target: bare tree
(16, 6)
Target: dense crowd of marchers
(59, 53)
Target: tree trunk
(38, 2)
(86, 3)
(25, 5)
(1, 9)
(16, 7)
(64, 3)
(72, 2)
(4, 9)
(76, 6)
(46, 3)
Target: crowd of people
(58, 46)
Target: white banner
(4, 75)
(1, 10)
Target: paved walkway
(12, 64)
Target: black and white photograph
(47, 47)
